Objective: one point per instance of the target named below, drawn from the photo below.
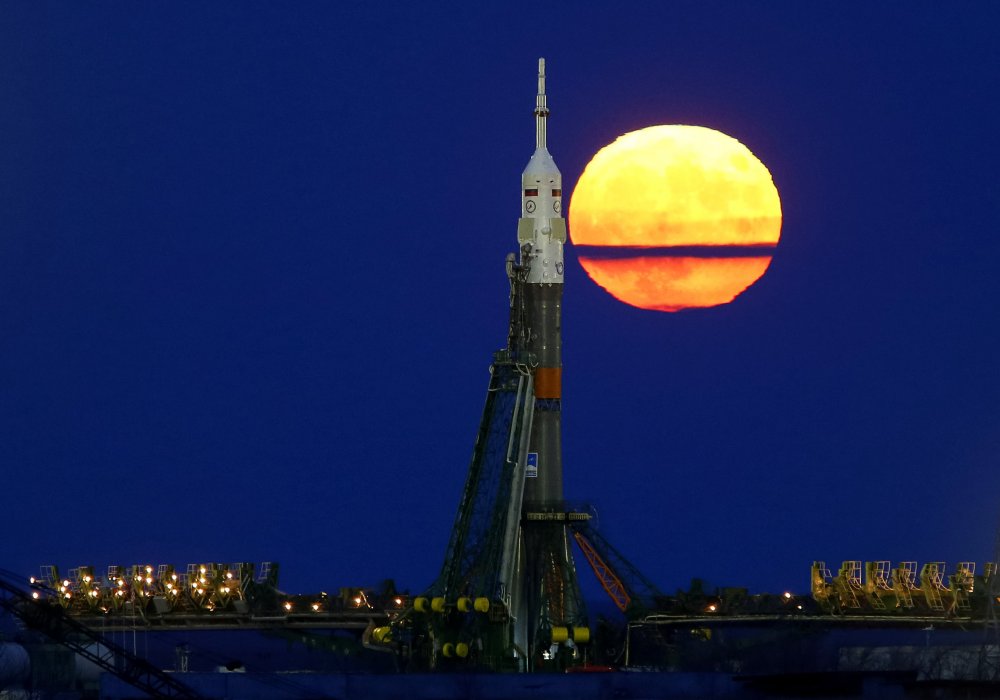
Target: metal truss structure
(57, 625)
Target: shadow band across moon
(689, 251)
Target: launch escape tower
(508, 592)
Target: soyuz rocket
(509, 549)
(547, 605)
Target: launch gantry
(507, 593)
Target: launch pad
(507, 597)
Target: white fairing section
(542, 224)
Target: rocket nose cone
(541, 166)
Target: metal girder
(621, 577)
(611, 584)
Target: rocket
(546, 602)
(541, 235)
(509, 548)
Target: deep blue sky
(251, 276)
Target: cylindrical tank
(86, 670)
(15, 665)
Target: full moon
(675, 217)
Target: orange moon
(675, 217)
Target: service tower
(547, 606)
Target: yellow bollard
(482, 605)
(437, 604)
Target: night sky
(252, 274)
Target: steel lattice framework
(480, 553)
(627, 587)
(52, 621)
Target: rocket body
(541, 234)
(545, 599)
